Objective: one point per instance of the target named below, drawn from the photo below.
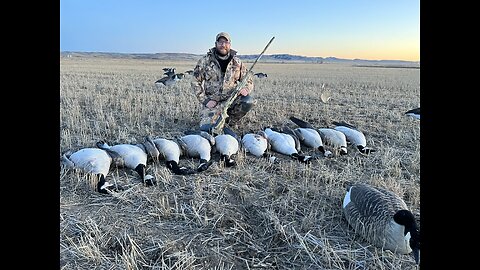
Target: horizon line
(415, 61)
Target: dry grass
(257, 215)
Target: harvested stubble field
(258, 215)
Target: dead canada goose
(415, 113)
(309, 136)
(257, 144)
(334, 139)
(171, 152)
(382, 218)
(134, 156)
(355, 136)
(198, 144)
(287, 144)
(227, 145)
(93, 161)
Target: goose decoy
(227, 145)
(198, 144)
(178, 76)
(189, 72)
(382, 218)
(356, 137)
(415, 113)
(168, 69)
(134, 157)
(309, 136)
(169, 73)
(286, 144)
(261, 75)
(171, 152)
(167, 81)
(95, 162)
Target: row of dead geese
(199, 144)
(378, 215)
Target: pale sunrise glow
(376, 30)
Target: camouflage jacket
(209, 84)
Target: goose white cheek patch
(106, 185)
(346, 200)
(407, 237)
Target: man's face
(223, 46)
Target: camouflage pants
(239, 108)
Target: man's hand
(244, 92)
(211, 104)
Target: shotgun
(220, 121)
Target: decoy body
(134, 157)
(171, 152)
(198, 144)
(356, 137)
(93, 161)
(168, 80)
(415, 113)
(382, 218)
(261, 75)
(309, 136)
(286, 144)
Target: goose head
(106, 187)
(229, 162)
(411, 233)
(172, 165)
(204, 164)
(147, 179)
(365, 150)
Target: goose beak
(416, 255)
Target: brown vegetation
(257, 215)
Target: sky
(349, 29)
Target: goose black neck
(140, 169)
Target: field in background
(283, 215)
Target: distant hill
(275, 58)
(159, 56)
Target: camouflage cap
(223, 34)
